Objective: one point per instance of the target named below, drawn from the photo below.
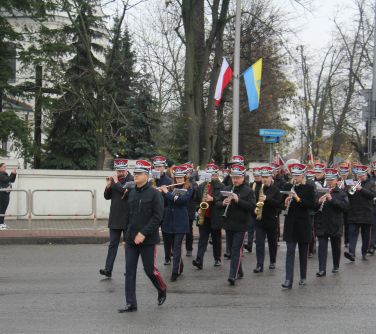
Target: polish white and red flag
(224, 78)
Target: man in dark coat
(142, 235)
(237, 210)
(344, 171)
(212, 225)
(266, 223)
(372, 246)
(329, 221)
(5, 183)
(360, 212)
(116, 192)
(298, 228)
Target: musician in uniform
(211, 217)
(176, 220)
(142, 235)
(298, 228)
(344, 171)
(329, 221)
(372, 245)
(118, 195)
(237, 210)
(360, 212)
(270, 200)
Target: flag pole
(235, 111)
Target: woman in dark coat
(176, 219)
(5, 183)
(298, 227)
(329, 221)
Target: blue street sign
(270, 140)
(272, 132)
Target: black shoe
(197, 264)
(258, 269)
(310, 255)
(162, 297)
(364, 257)
(217, 263)
(231, 281)
(188, 254)
(167, 262)
(248, 248)
(335, 270)
(302, 282)
(240, 275)
(321, 273)
(106, 273)
(346, 245)
(174, 277)
(128, 308)
(227, 256)
(287, 285)
(371, 251)
(272, 266)
(349, 256)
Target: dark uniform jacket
(271, 208)
(144, 214)
(5, 181)
(279, 181)
(238, 214)
(119, 205)
(192, 203)
(175, 219)
(361, 204)
(164, 180)
(216, 213)
(297, 223)
(329, 221)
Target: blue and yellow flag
(252, 79)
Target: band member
(210, 217)
(319, 173)
(329, 221)
(360, 212)
(142, 235)
(191, 209)
(237, 210)
(5, 183)
(176, 220)
(278, 179)
(255, 185)
(225, 173)
(269, 203)
(344, 171)
(118, 210)
(298, 228)
(159, 165)
(310, 176)
(372, 245)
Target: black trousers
(236, 240)
(365, 231)
(290, 259)
(115, 236)
(346, 228)
(177, 264)
(261, 234)
(168, 242)
(4, 202)
(312, 244)
(251, 231)
(323, 252)
(148, 255)
(189, 238)
(373, 230)
(205, 231)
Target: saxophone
(203, 205)
(260, 203)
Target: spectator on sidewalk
(5, 183)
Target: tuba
(260, 204)
(203, 205)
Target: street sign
(270, 140)
(272, 132)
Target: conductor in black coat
(329, 221)
(270, 203)
(118, 210)
(298, 227)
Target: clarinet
(323, 202)
(228, 205)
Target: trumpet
(352, 190)
(228, 194)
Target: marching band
(315, 205)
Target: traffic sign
(270, 140)
(272, 132)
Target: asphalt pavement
(57, 289)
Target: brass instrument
(203, 205)
(288, 205)
(352, 190)
(260, 203)
(228, 205)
